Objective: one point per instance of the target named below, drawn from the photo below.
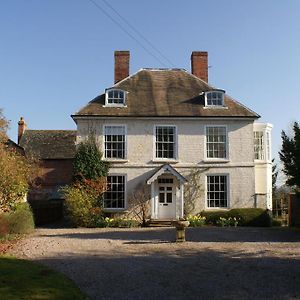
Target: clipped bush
(20, 220)
(277, 222)
(257, 217)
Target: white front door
(166, 200)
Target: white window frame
(262, 145)
(125, 140)
(159, 159)
(125, 194)
(224, 159)
(227, 191)
(115, 104)
(268, 146)
(220, 92)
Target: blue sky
(56, 55)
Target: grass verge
(21, 279)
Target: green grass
(21, 279)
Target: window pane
(165, 142)
(217, 191)
(169, 197)
(258, 145)
(214, 98)
(161, 198)
(114, 142)
(216, 142)
(115, 97)
(115, 196)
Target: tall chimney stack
(121, 65)
(21, 128)
(199, 64)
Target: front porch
(167, 201)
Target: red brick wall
(121, 65)
(54, 173)
(199, 64)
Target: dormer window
(214, 98)
(115, 97)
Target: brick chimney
(121, 65)
(199, 63)
(21, 128)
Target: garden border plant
(257, 217)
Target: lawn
(21, 279)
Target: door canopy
(166, 169)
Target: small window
(165, 142)
(217, 191)
(216, 142)
(165, 180)
(214, 98)
(115, 97)
(114, 142)
(259, 145)
(114, 197)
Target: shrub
(252, 216)
(196, 221)
(16, 172)
(20, 220)
(277, 222)
(83, 205)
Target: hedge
(257, 217)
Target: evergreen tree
(274, 175)
(88, 163)
(290, 156)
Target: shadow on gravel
(203, 234)
(182, 274)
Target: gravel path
(215, 263)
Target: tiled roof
(49, 144)
(164, 93)
(12, 145)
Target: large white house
(158, 127)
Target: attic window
(115, 97)
(214, 98)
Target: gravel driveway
(215, 263)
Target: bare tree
(192, 190)
(139, 204)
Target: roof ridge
(163, 69)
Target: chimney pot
(199, 63)
(121, 65)
(21, 128)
